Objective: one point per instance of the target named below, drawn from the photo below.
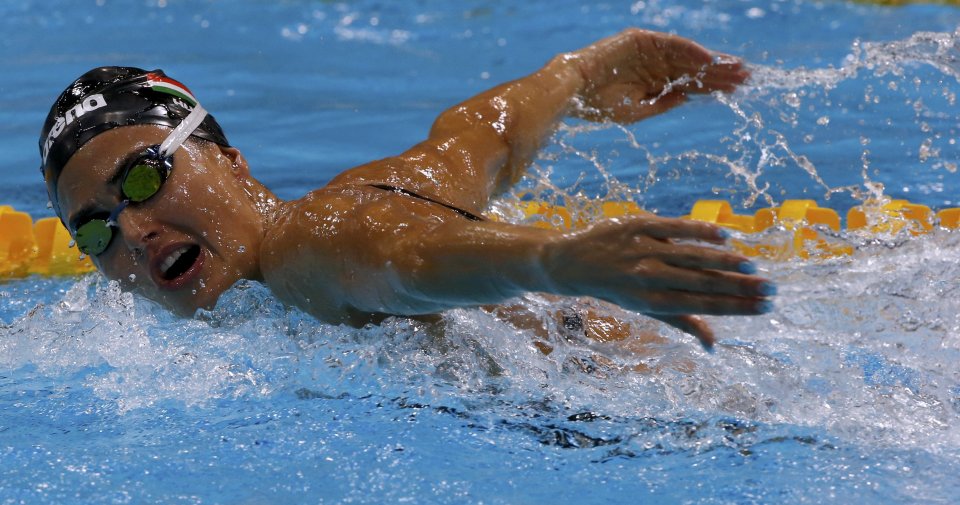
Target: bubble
(823, 120)
(792, 99)
(927, 150)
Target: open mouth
(179, 262)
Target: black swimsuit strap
(467, 214)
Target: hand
(637, 73)
(634, 263)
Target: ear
(238, 164)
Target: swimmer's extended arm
(392, 254)
(346, 256)
(481, 146)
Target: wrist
(550, 266)
(568, 68)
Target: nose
(136, 227)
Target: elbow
(492, 115)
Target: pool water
(847, 392)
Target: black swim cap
(108, 97)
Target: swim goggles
(141, 179)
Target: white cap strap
(182, 131)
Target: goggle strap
(112, 220)
(182, 131)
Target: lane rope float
(41, 248)
(46, 248)
(812, 231)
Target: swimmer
(150, 188)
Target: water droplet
(823, 120)
(49, 204)
(927, 150)
(133, 277)
(72, 243)
(792, 99)
(242, 249)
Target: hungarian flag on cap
(164, 84)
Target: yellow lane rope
(42, 248)
(808, 225)
(46, 248)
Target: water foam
(862, 348)
(792, 133)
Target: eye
(143, 177)
(85, 217)
(142, 181)
(93, 236)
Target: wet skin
(352, 253)
(208, 203)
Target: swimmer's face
(186, 244)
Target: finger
(629, 103)
(677, 57)
(695, 57)
(723, 79)
(714, 282)
(679, 50)
(724, 64)
(711, 79)
(697, 257)
(673, 228)
(727, 68)
(673, 302)
(721, 72)
(691, 325)
(658, 105)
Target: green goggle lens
(94, 237)
(141, 182)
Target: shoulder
(302, 255)
(322, 246)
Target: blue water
(847, 392)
